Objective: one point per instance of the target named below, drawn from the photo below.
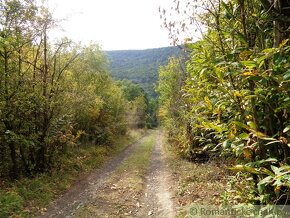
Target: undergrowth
(29, 196)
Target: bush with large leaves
(236, 91)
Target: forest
(140, 66)
(58, 104)
(231, 94)
(68, 108)
(55, 94)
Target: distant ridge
(140, 66)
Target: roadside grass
(28, 196)
(121, 192)
(195, 183)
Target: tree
(51, 93)
(17, 34)
(237, 88)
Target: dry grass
(195, 183)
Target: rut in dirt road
(83, 191)
(133, 184)
(157, 197)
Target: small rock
(114, 187)
(128, 214)
(150, 213)
(216, 194)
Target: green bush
(10, 203)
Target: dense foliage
(233, 98)
(140, 66)
(52, 93)
(143, 109)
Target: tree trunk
(14, 168)
(41, 160)
(281, 31)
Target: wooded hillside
(140, 66)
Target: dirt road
(135, 183)
(157, 198)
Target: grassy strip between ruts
(120, 194)
(25, 197)
(195, 183)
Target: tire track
(157, 197)
(83, 190)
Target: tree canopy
(53, 94)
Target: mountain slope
(140, 66)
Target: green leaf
(261, 63)
(259, 134)
(269, 50)
(278, 183)
(286, 129)
(256, 133)
(261, 162)
(276, 170)
(241, 124)
(287, 75)
(243, 136)
(243, 168)
(267, 180)
(285, 167)
(249, 64)
(267, 172)
(262, 184)
(252, 124)
(226, 143)
(261, 188)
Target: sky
(114, 24)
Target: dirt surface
(116, 191)
(157, 201)
(83, 190)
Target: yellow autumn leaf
(250, 73)
(237, 94)
(284, 42)
(208, 102)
